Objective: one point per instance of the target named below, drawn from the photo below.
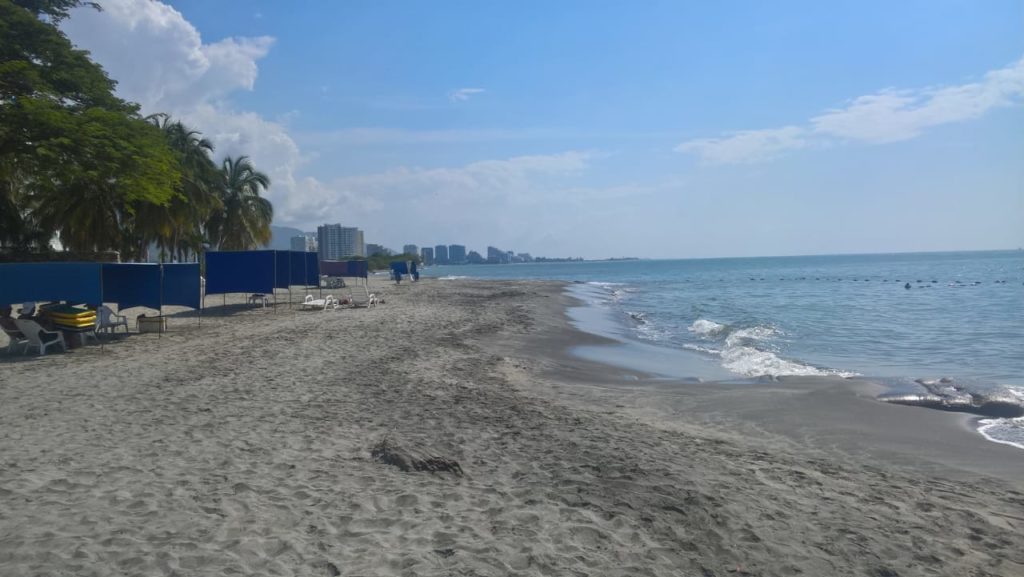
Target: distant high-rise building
(410, 249)
(441, 254)
(456, 254)
(336, 242)
(298, 243)
(375, 249)
(497, 256)
(427, 254)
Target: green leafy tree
(243, 222)
(75, 160)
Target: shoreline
(796, 407)
(247, 446)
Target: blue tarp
(132, 285)
(181, 285)
(283, 269)
(78, 283)
(349, 268)
(240, 272)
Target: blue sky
(661, 129)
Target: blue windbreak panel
(59, 281)
(240, 272)
(298, 269)
(132, 285)
(181, 285)
(283, 270)
(312, 269)
(350, 268)
(400, 266)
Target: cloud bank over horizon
(884, 117)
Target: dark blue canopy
(240, 272)
(58, 281)
(399, 267)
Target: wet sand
(245, 446)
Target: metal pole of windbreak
(274, 284)
(101, 304)
(160, 328)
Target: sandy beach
(284, 442)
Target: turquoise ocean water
(961, 320)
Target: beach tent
(56, 281)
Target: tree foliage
(244, 220)
(79, 164)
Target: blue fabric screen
(304, 271)
(400, 267)
(132, 285)
(181, 285)
(59, 281)
(240, 272)
(283, 268)
(312, 269)
(358, 268)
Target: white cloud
(747, 146)
(464, 94)
(159, 59)
(882, 117)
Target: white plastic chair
(311, 303)
(108, 320)
(17, 340)
(39, 337)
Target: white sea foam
(1004, 431)
(752, 362)
(747, 351)
(451, 277)
(706, 329)
(700, 349)
(746, 336)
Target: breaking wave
(749, 351)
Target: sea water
(897, 318)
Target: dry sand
(243, 447)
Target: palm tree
(174, 227)
(243, 222)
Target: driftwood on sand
(408, 459)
